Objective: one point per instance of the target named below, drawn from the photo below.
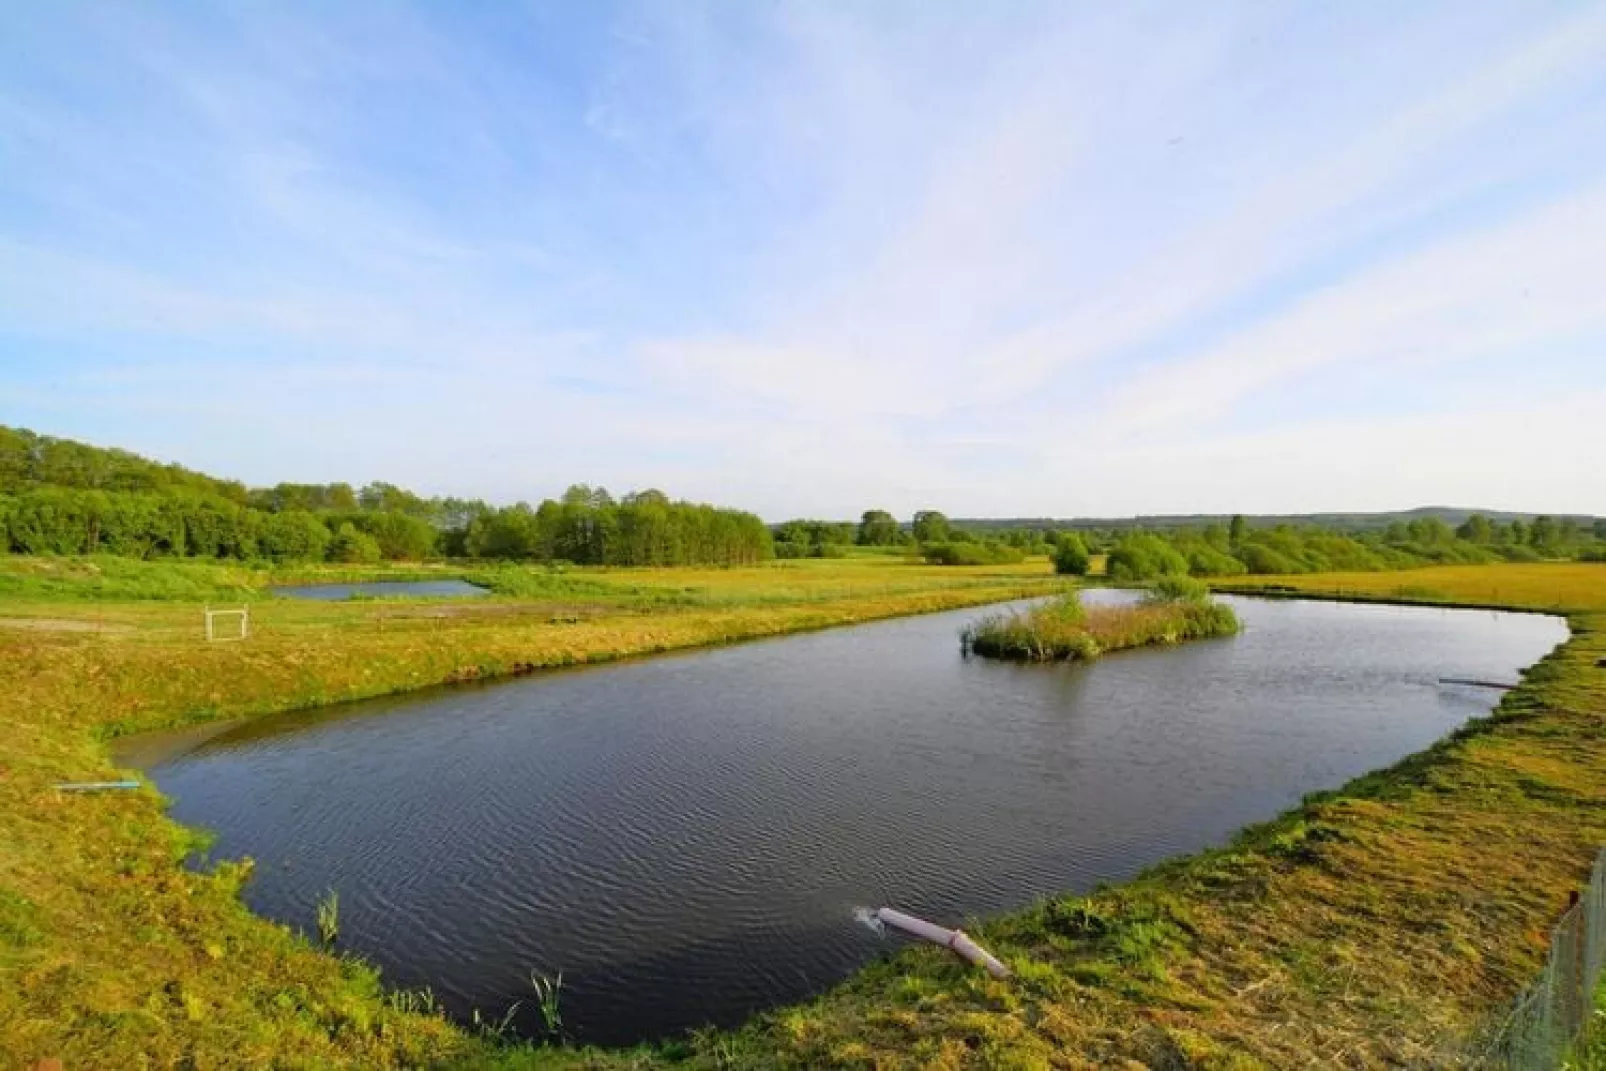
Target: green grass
(1374, 926)
(108, 578)
(1062, 630)
(329, 919)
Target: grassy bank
(113, 955)
(1555, 587)
(1375, 925)
(1063, 630)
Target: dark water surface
(378, 588)
(686, 838)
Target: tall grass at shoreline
(1063, 630)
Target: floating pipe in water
(95, 786)
(954, 940)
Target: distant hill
(30, 460)
(1349, 522)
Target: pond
(687, 837)
(381, 589)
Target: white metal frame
(243, 613)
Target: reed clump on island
(1062, 630)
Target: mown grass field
(1378, 925)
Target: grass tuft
(1063, 630)
(548, 995)
(329, 918)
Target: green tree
(1476, 529)
(1429, 532)
(930, 526)
(293, 536)
(513, 532)
(380, 497)
(401, 536)
(1542, 534)
(878, 528)
(1238, 531)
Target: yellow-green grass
(1554, 586)
(104, 579)
(1375, 926)
(114, 955)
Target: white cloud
(809, 258)
(1513, 288)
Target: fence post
(1580, 974)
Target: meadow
(1377, 925)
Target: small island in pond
(1062, 630)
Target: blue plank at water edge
(95, 786)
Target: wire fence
(1552, 1016)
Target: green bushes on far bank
(1217, 550)
(971, 554)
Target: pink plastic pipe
(954, 940)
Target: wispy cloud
(1031, 259)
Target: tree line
(62, 497)
(1237, 548)
(58, 496)
(1233, 548)
(588, 527)
(929, 535)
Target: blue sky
(808, 258)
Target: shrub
(1144, 557)
(971, 553)
(1177, 589)
(1205, 560)
(352, 546)
(1070, 555)
(1261, 559)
